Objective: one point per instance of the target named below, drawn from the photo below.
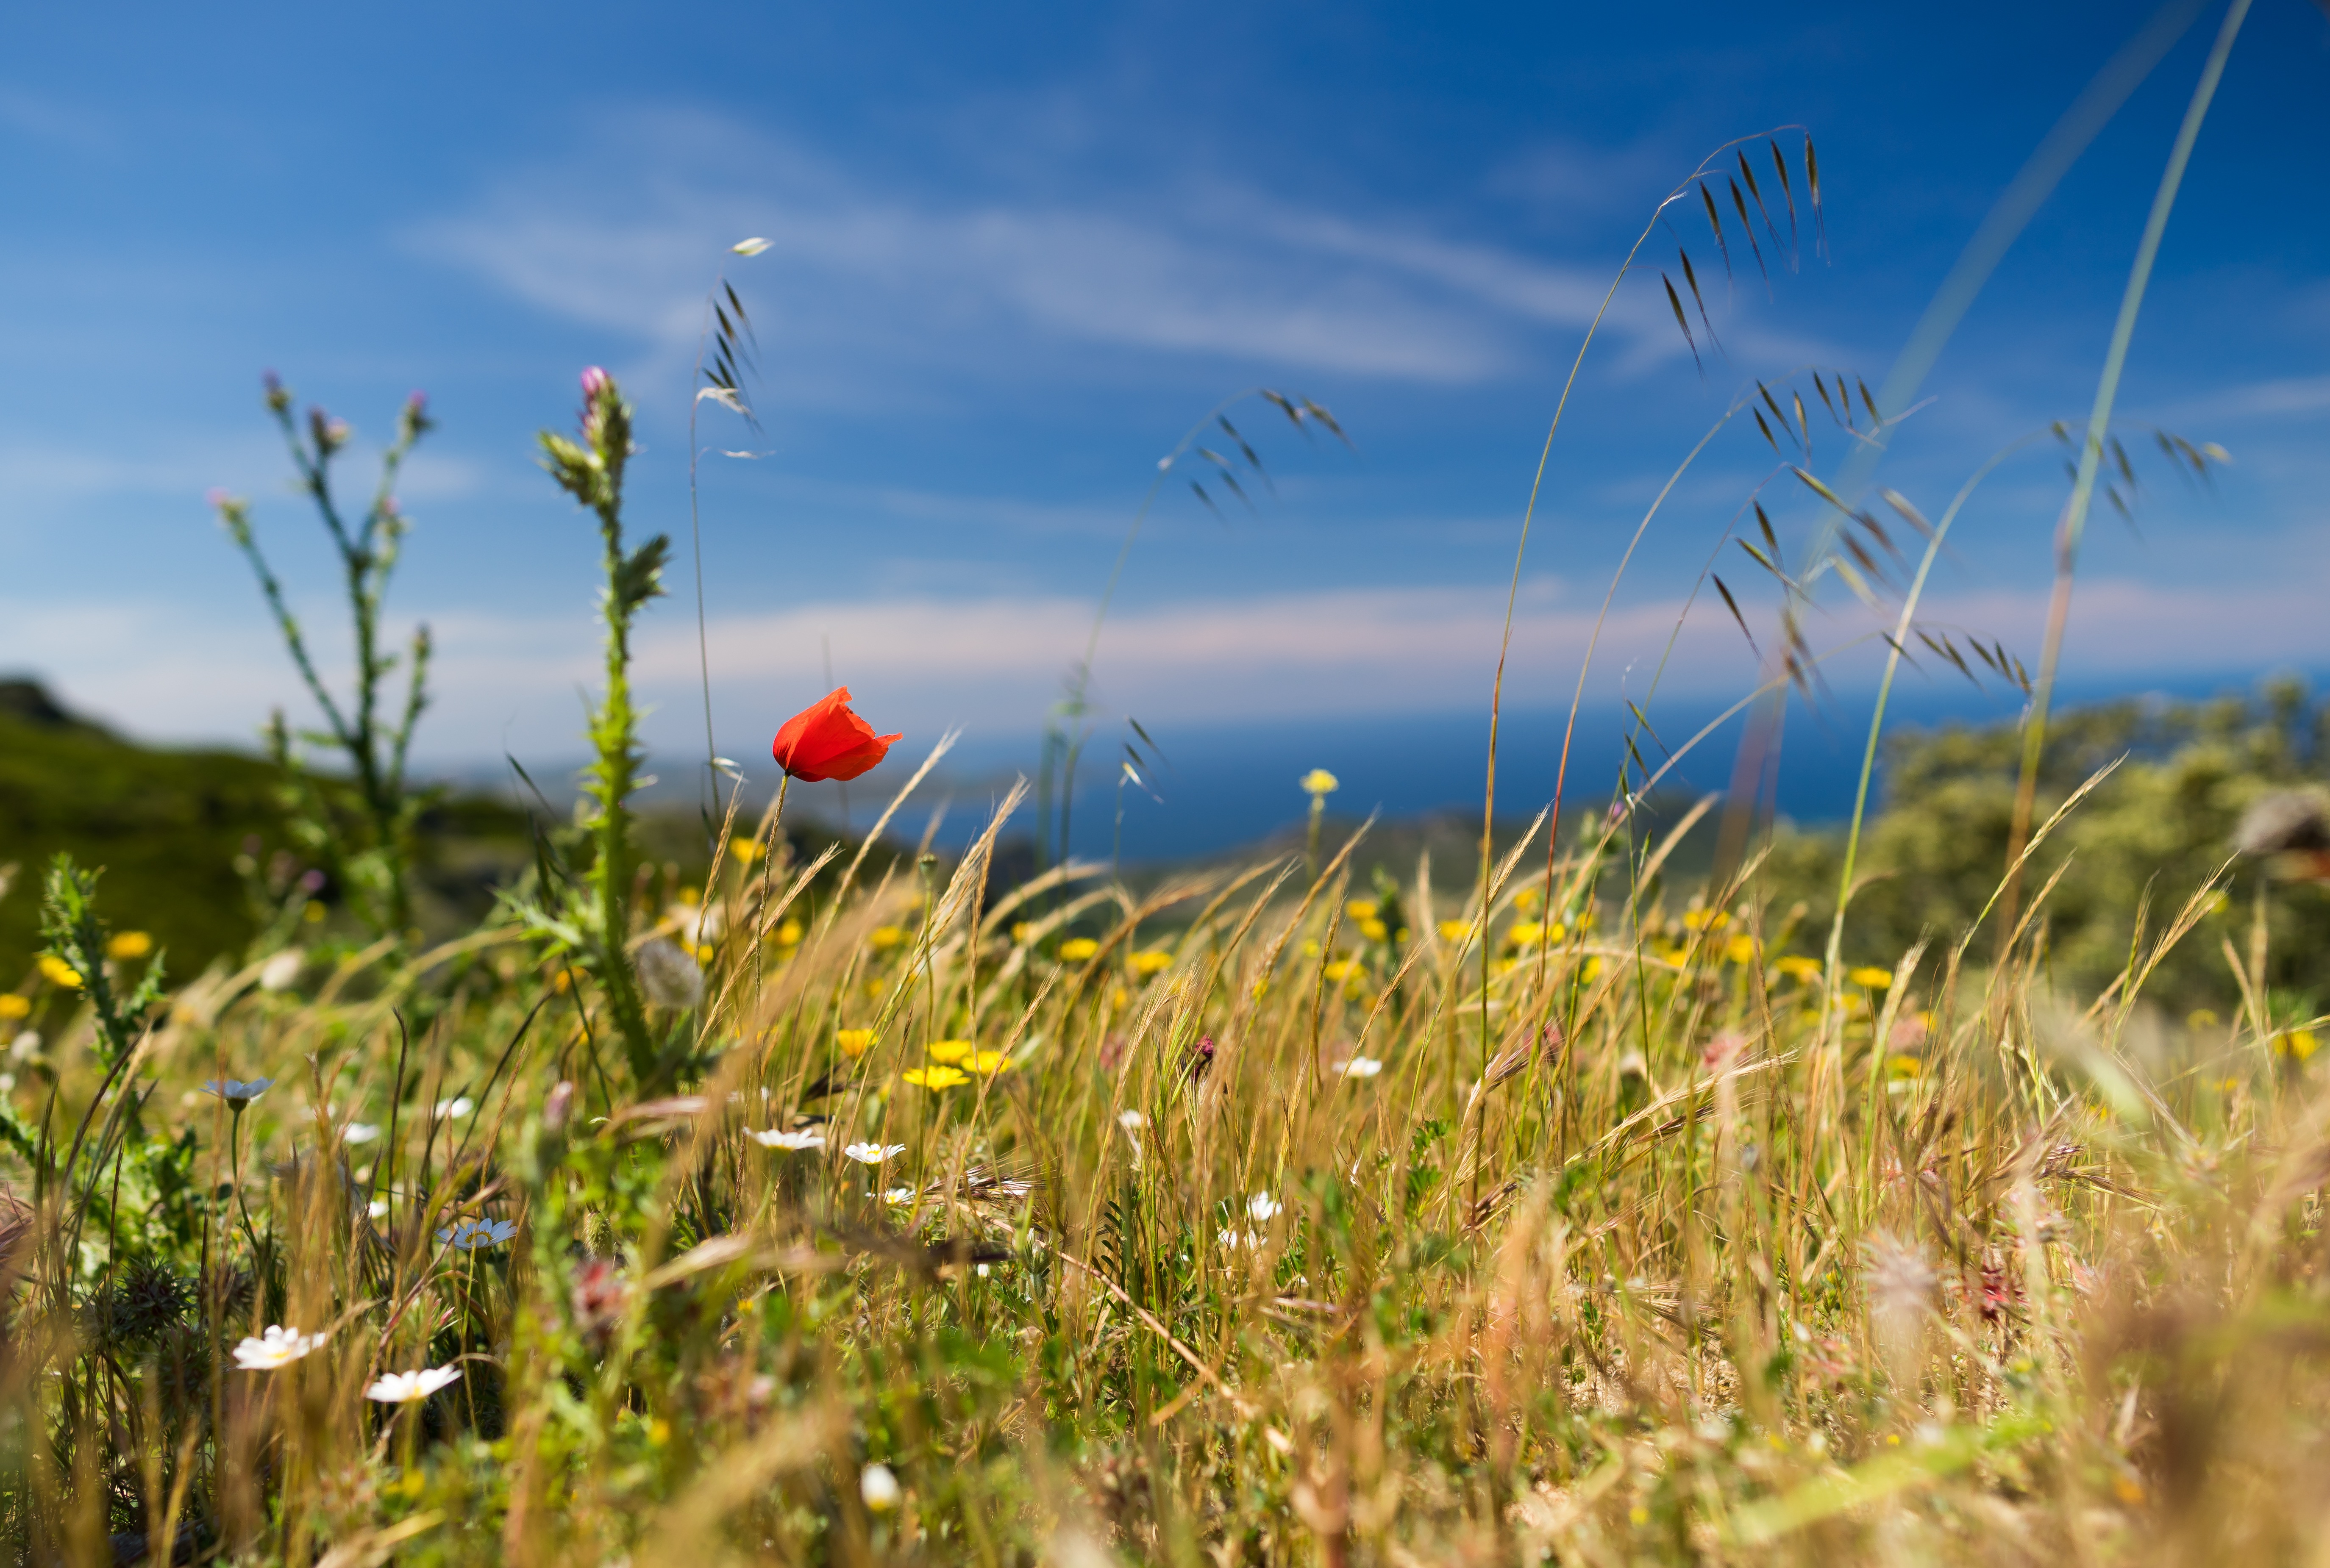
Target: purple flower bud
(594, 382)
(278, 399)
(217, 497)
(311, 881)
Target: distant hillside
(166, 826)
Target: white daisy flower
(279, 1347)
(807, 1139)
(473, 1235)
(408, 1387)
(873, 1153)
(879, 1489)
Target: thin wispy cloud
(1213, 273)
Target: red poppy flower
(827, 741)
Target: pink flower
(596, 381)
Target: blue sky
(1017, 249)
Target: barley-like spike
(1764, 521)
(1909, 514)
(1823, 491)
(1715, 222)
(1763, 427)
(1787, 190)
(1804, 425)
(1811, 185)
(1821, 387)
(1869, 402)
(1748, 175)
(1692, 277)
(1209, 500)
(1767, 564)
(1867, 561)
(1774, 404)
(1733, 606)
(1326, 418)
(1739, 204)
(1644, 719)
(1675, 300)
(2126, 468)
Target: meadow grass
(1210, 1227)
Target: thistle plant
(590, 469)
(367, 850)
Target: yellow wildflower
(313, 914)
(1021, 930)
(1346, 969)
(1740, 949)
(57, 972)
(1526, 900)
(2201, 1018)
(1869, 977)
(1150, 961)
(948, 1050)
(1374, 930)
(1700, 919)
(129, 945)
(987, 1064)
(1904, 1067)
(1319, 782)
(744, 851)
(13, 1006)
(1797, 966)
(788, 934)
(1593, 969)
(1530, 933)
(705, 952)
(2297, 1045)
(933, 1077)
(885, 938)
(854, 1042)
(1363, 908)
(1076, 950)
(691, 897)
(1454, 931)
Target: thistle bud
(279, 397)
(596, 383)
(330, 434)
(416, 415)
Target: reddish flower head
(827, 741)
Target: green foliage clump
(2157, 830)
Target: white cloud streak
(1221, 274)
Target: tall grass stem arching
(2075, 514)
